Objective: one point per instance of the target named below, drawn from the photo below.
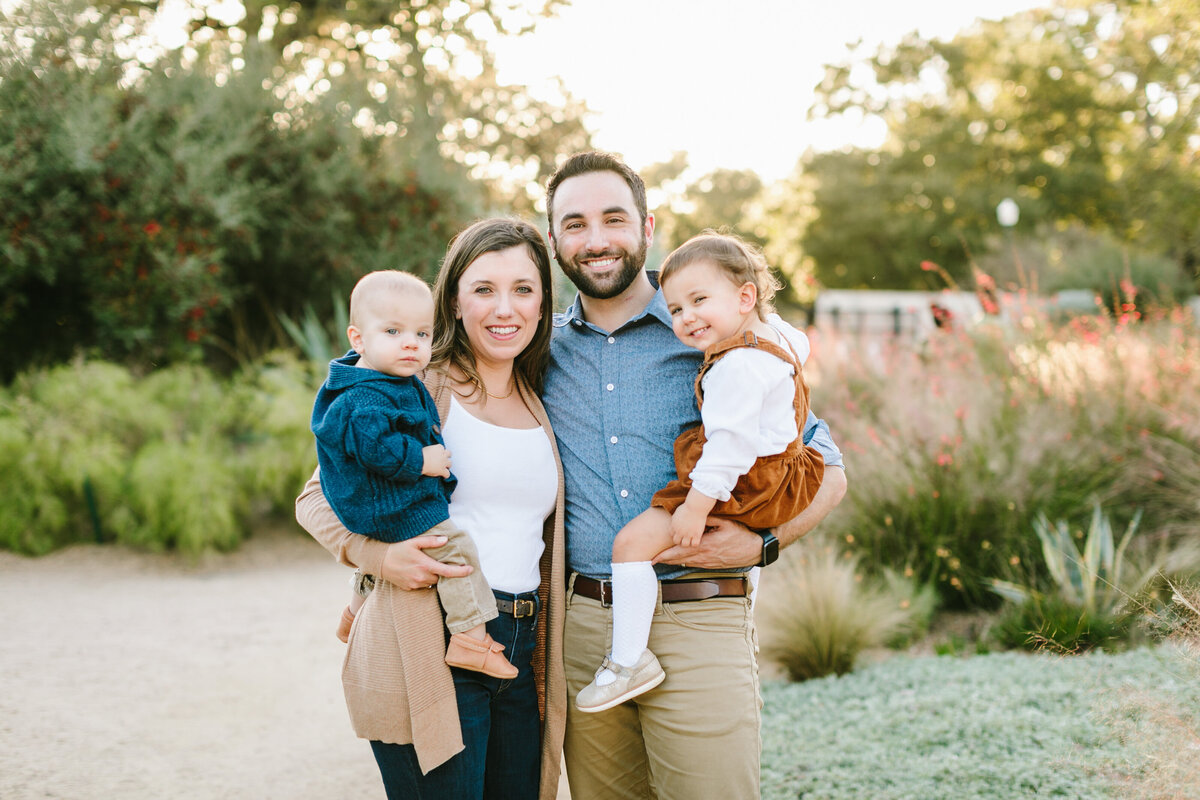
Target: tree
(166, 204)
(419, 73)
(724, 199)
(1085, 112)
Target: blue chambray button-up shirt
(617, 400)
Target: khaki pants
(468, 601)
(696, 735)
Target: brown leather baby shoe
(481, 656)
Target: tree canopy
(171, 191)
(1086, 113)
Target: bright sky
(729, 83)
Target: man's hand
(405, 565)
(437, 461)
(729, 544)
(725, 545)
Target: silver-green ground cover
(996, 726)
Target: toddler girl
(746, 461)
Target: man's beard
(603, 287)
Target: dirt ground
(128, 675)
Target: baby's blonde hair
(741, 262)
(375, 286)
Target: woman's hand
(405, 565)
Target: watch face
(770, 549)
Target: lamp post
(1008, 213)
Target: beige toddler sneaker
(631, 681)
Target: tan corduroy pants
(466, 601)
(693, 737)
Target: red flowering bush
(953, 447)
(167, 215)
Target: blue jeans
(502, 734)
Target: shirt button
(624, 493)
(611, 340)
(613, 440)
(610, 387)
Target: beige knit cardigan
(398, 688)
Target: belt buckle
(523, 608)
(606, 593)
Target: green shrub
(182, 496)
(170, 214)
(919, 600)
(273, 446)
(818, 615)
(1120, 274)
(1097, 591)
(319, 340)
(179, 459)
(1052, 623)
(953, 447)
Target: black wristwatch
(770, 551)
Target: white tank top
(507, 486)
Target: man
(618, 391)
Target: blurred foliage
(1097, 596)
(1113, 273)
(1084, 112)
(955, 447)
(319, 339)
(1005, 725)
(724, 199)
(732, 201)
(1072, 257)
(420, 71)
(181, 459)
(1051, 623)
(820, 615)
(171, 204)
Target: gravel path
(127, 675)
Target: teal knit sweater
(371, 429)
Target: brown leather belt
(520, 606)
(677, 591)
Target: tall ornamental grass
(819, 614)
(954, 446)
(178, 459)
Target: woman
(436, 731)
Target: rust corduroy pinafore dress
(777, 487)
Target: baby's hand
(437, 461)
(687, 526)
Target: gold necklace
(481, 385)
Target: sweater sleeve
(737, 393)
(391, 454)
(316, 516)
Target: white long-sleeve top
(747, 411)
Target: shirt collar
(656, 308)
